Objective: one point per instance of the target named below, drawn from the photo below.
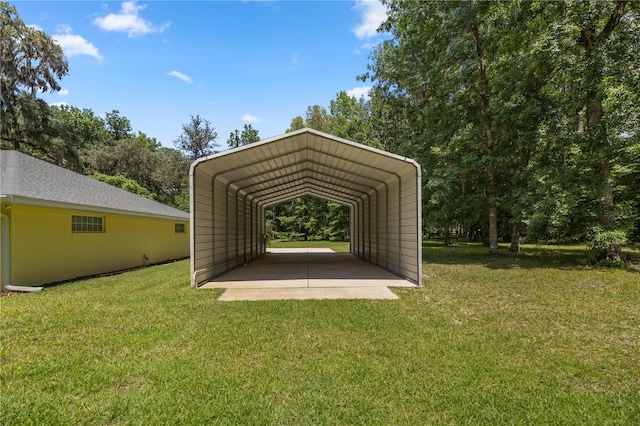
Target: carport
(231, 190)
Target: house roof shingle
(33, 181)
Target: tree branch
(614, 20)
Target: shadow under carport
(307, 274)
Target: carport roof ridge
(276, 164)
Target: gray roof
(28, 180)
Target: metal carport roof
(231, 190)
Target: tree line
(524, 115)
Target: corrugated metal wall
(202, 226)
(228, 221)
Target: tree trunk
(592, 43)
(493, 229)
(483, 96)
(615, 254)
(447, 238)
(605, 215)
(515, 237)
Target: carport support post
(376, 226)
(400, 223)
(250, 232)
(386, 228)
(351, 248)
(419, 219)
(213, 225)
(226, 199)
(237, 228)
(262, 214)
(261, 226)
(244, 227)
(369, 229)
(255, 228)
(259, 220)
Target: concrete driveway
(307, 274)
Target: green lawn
(529, 339)
(337, 246)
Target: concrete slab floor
(307, 274)
(235, 294)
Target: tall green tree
(337, 222)
(315, 117)
(30, 61)
(605, 56)
(118, 126)
(587, 160)
(318, 118)
(74, 132)
(171, 178)
(132, 157)
(390, 119)
(310, 218)
(198, 138)
(441, 64)
(247, 136)
(523, 109)
(351, 119)
(297, 123)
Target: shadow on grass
(530, 256)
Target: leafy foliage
(198, 138)
(126, 184)
(30, 61)
(309, 218)
(524, 115)
(248, 135)
(527, 110)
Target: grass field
(337, 246)
(529, 339)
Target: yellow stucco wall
(43, 249)
(4, 247)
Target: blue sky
(232, 62)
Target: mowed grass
(529, 339)
(337, 246)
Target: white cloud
(128, 21)
(359, 92)
(59, 104)
(75, 45)
(63, 92)
(373, 14)
(248, 118)
(181, 76)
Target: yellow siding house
(59, 225)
